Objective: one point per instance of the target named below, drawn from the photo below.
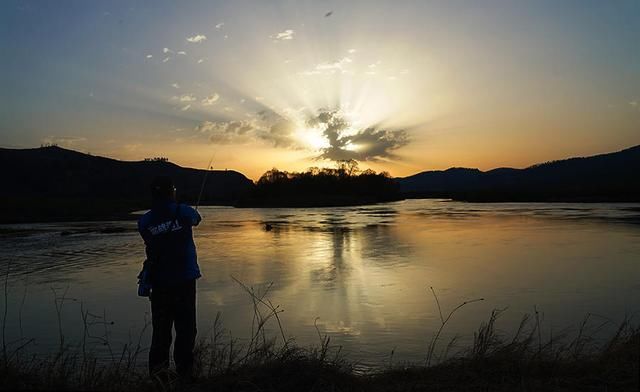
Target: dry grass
(525, 360)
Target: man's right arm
(193, 216)
(144, 233)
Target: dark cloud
(268, 127)
(226, 132)
(367, 144)
(281, 134)
(239, 127)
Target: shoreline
(135, 214)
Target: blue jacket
(168, 237)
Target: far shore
(9, 216)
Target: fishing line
(204, 181)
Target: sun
(312, 138)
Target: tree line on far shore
(345, 184)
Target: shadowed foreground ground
(522, 362)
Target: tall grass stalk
(5, 311)
(443, 323)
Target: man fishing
(171, 270)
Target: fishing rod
(204, 181)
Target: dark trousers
(175, 305)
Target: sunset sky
(401, 86)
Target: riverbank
(524, 361)
(67, 209)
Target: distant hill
(53, 183)
(607, 177)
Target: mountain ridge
(54, 183)
(603, 177)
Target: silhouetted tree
(348, 167)
(273, 176)
(157, 159)
(343, 185)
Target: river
(362, 275)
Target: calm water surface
(362, 272)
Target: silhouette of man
(172, 270)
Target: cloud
(219, 25)
(343, 141)
(200, 61)
(175, 85)
(186, 107)
(334, 66)
(167, 50)
(210, 100)
(182, 52)
(367, 144)
(226, 132)
(329, 67)
(166, 59)
(197, 38)
(281, 134)
(184, 97)
(372, 68)
(132, 146)
(206, 126)
(149, 56)
(267, 127)
(67, 141)
(283, 35)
